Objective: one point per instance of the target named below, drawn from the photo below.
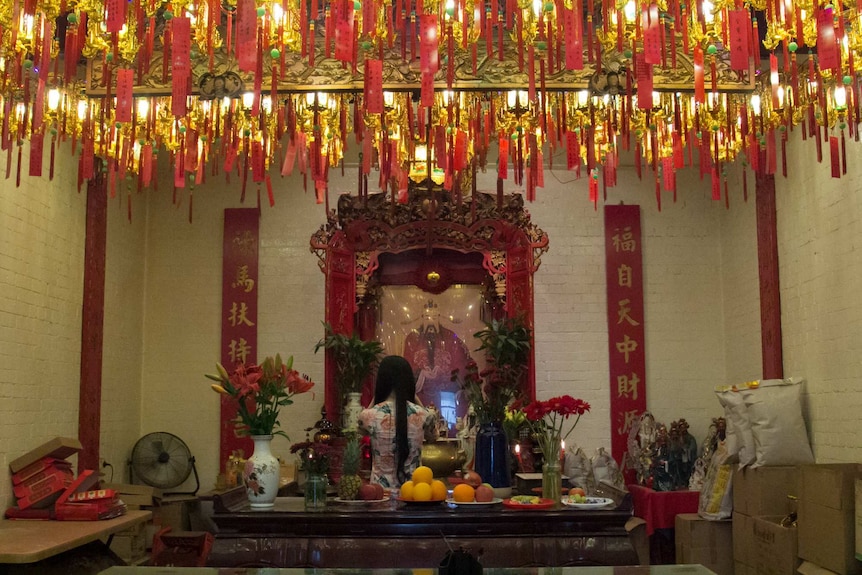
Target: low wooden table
(27, 541)
(395, 535)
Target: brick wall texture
(163, 297)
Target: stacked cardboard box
(709, 543)
(763, 542)
(827, 520)
(131, 544)
(40, 476)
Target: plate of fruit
(422, 489)
(368, 494)
(579, 500)
(528, 502)
(466, 494)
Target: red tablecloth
(660, 508)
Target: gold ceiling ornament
(429, 90)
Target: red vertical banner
(239, 313)
(624, 276)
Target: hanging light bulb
(755, 103)
(840, 97)
(630, 11)
(248, 100)
(143, 107)
(53, 99)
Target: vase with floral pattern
(261, 473)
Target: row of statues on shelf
(668, 459)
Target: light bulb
(840, 96)
(755, 103)
(248, 100)
(630, 11)
(143, 107)
(53, 99)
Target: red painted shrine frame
(432, 241)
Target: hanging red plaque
(626, 343)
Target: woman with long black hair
(396, 424)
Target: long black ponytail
(395, 373)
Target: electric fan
(163, 460)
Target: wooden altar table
(395, 535)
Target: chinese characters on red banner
(239, 312)
(624, 277)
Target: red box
(91, 504)
(46, 494)
(42, 480)
(29, 473)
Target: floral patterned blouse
(378, 422)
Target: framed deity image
(434, 332)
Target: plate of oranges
(465, 494)
(422, 489)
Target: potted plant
(354, 360)
(506, 343)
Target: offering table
(398, 535)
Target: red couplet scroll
(239, 312)
(624, 273)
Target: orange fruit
(463, 493)
(407, 491)
(422, 474)
(422, 492)
(438, 490)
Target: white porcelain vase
(261, 473)
(352, 409)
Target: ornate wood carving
(490, 74)
(436, 224)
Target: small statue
(466, 435)
(660, 470)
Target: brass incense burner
(444, 456)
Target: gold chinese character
(625, 241)
(239, 315)
(239, 350)
(245, 241)
(624, 276)
(243, 280)
(627, 346)
(628, 386)
(626, 420)
(623, 312)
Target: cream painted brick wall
(740, 285)
(820, 255)
(123, 349)
(41, 270)
(683, 287)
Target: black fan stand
(194, 472)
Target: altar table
(647, 570)
(398, 535)
(660, 508)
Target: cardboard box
(636, 528)
(763, 546)
(136, 495)
(827, 517)
(173, 512)
(765, 490)
(58, 448)
(130, 544)
(709, 543)
(103, 504)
